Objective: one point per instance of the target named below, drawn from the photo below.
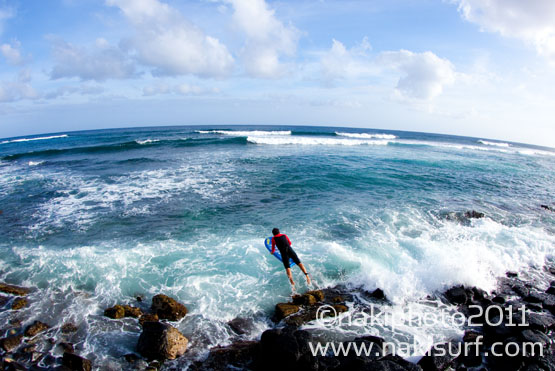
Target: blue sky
(464, 67)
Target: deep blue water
(97, 217)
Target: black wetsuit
(284, 246)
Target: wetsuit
(284, 246)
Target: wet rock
(29, 349)
(550, 290)
(439, 357)
(239, 355)
(10, 343)
(168, 308)
(68, 328)
(14, 290)
(511, 274)
(66, 347)
(456, 295)
(285, 309)
(392, 363)
(132, 311)
(4, 300)
(35, 328)
(19, 303)
(474, 214)
(318, 294)
(148, 318)
(378, 294)
(498, 299)
(74, 362)
(285, 349)
(547, 208)
(161, 341)
(305, 299)
(240, 325)
(115, 312)
(340, 308)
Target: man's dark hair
(275, 231)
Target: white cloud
(182, 89)
(268, 39)
(532, 21)
(11, 91)
(99, 63)
(170, 43)
(342, 63)
(83, 89)
(425, 74)
(12, 53)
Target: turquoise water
(96, 218)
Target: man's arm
(273, 246)
(288, 240)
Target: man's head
(275, 231)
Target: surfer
(283, 244)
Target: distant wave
(31, 139)
(366, 135)
(497, 144)
(313, 141)
(126, 146)
(35, 163)
(245, 133)
(147, 141)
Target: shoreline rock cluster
(285, 345)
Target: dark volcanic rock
(74, 362)
(14, 290)
(305, 299)
(439, 357)
(241, 325)
(35, 328)
(168, 308)
(19, 303)
(68, 328)
(239, 355)
(285, 309)
(456, 295)
(161, 341)
(11, 342)
(3, 300)
(392, 363)
(148, 318)
(115, 312)
(547, 207)
(132, 311)
(285, 349)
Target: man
(283, 244)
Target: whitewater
(101, 217)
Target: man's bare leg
(305, 273)
(288, 270)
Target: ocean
(97, 218)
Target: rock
(547, 208)
(3, 300)
(74, 362)
(340, 308)
(66, 347)
(35, 328)
(237, 356)
(338, 299)
(378, 294)
(19, 303)
(148, 318)
(550, 290)
(115, 312)
(285, 309)
(161, 341)
(14, 290)
(68, 328)
(305, 299)
(511, 274)
(474, 214)
(11, 342)
(29, 349)
(168, 308)
(132, 311)
(240, 325)
(286, 349)
(456, 295)
(498, 299)
(439, 357)
(392, 363)
(318, 294)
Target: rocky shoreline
(286, 345)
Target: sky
(482, 68)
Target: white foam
(497, 144)
(245, 133)
(366, 135)
(35, 163)
(146, 141)
(299, 140)
(31, 139)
